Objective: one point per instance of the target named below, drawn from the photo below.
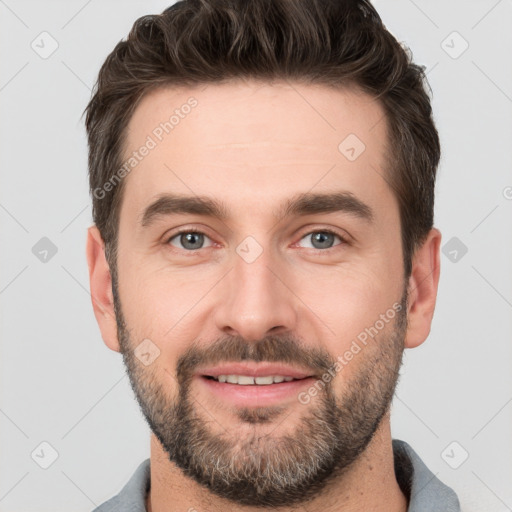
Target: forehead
(257, 139)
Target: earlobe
(422, 289)
(101, 288)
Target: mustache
(274, 349)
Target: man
(263, 176)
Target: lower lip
(254, 395)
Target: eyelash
(343, 240)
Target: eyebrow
(300, 205)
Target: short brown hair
(336, 43)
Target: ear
(101, 288)
(422, 289)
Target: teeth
(263, 380)
(245, 380)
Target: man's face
(275, 287)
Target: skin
(253, 146)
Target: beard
(259, 467)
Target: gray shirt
(424, 491)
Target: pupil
(322, 240)
(192, 240)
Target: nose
(255, 300)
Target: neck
(369, 485)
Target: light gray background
(59, 382)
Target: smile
(248, 380)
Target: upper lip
(254, 370)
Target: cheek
(359, 308)
(349, 300)
(161, 305)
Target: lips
(250, 384)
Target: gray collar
(425, 492)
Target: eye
(189, 240)
(323, 239)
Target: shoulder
(132, 496)
(425, 492)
